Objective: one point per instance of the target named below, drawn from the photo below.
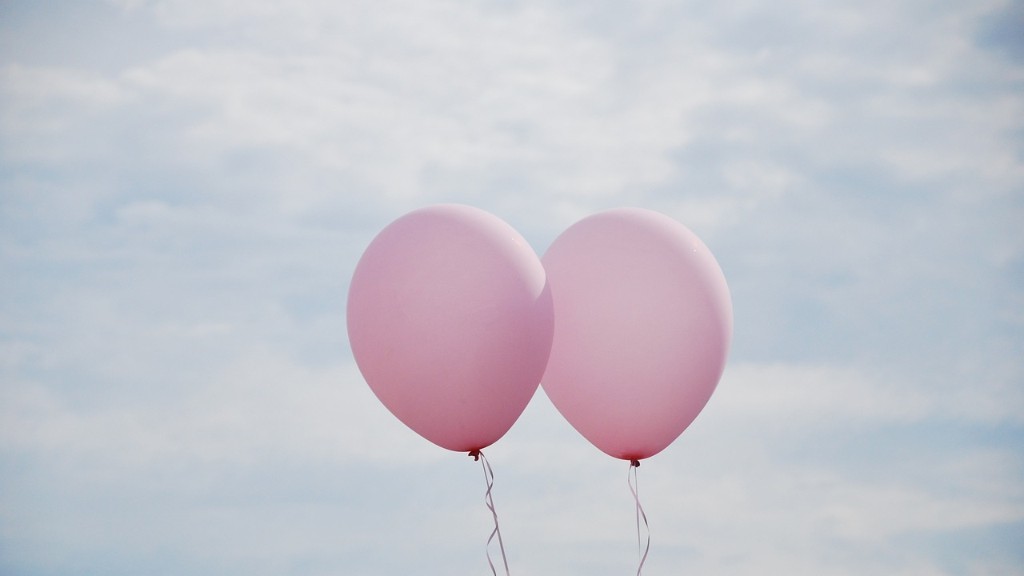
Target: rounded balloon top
(643, 323)
(450, 323)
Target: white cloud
(802, 397)
(726, 500)
(516, 94)
(258, 406)
(44, 108)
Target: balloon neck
(475, 454)
(634, 463)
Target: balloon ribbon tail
(634, 487)
(489, 501)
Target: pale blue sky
(186, 185)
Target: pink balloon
(450, 323)
(643, 322)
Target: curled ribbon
(489, 500)
(634, 487)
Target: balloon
(643, 322)
(450, 322)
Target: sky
(186, 186)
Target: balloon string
(634, 487)
(489, 501)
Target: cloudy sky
(186, 185)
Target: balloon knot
(475, 454)
(634, 463)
